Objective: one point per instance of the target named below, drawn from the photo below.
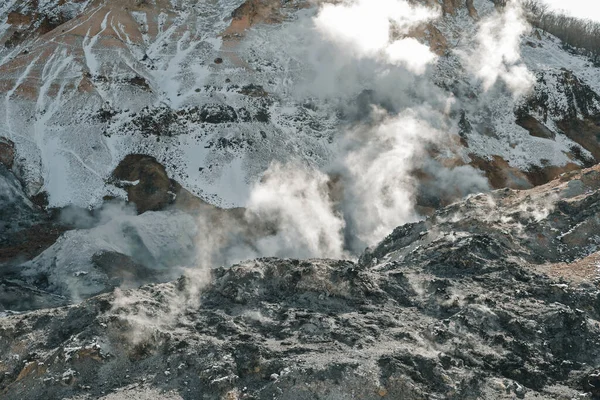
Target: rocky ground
(184, 105)
(494, 297)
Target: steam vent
(299, 199)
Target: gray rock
(480, 301)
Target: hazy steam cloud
(115, 246)
(399, 116)
(296, 202)
(402, 125)
(381, 190)
(367, 27)
(497, 56)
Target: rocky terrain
(187, 189)
(493, 297)
(184, 106)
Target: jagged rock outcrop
(494, 297)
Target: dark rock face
(16, 210)
(535, 127)
(16, 297)
(496, 297)
(217, 114)
(25, 229)
(146, 181)
(160, 121)
(7, 152)
(123, 270)
(254, 91)
(577, 116)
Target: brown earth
(449, 7)
(580, 271)
(250, 13)
(542, 175)
(585, 132)
(15, 18)
(153, 191)
(586, 269)
(535, 127)
(72, 32)
(501, 175)
(30, 243)
(430, 34)
(156, 191)
(254, 12)
(7, 152)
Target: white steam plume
(497, 56)
(380, 188)
(366, 28)
(302, 212)
(295, 201)
(289, 214)
(400, 114)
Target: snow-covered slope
(493, 129)
(120, 79)
(216, 92)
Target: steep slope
(494, 297)
(218, 90)
(127, 77)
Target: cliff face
(493, 297)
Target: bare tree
(579, 35)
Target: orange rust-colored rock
(15, 18)
(32, 369)
(500, 174)
(250, 13)
(254, 12)
(584, 270)
(71, 34)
